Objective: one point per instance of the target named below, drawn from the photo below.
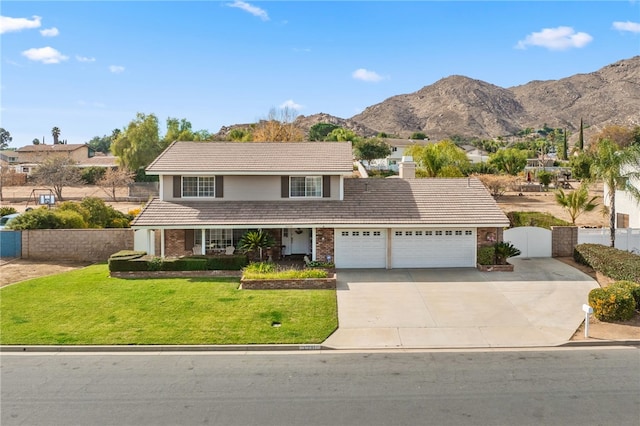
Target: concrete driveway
(539, 304)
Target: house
(36, 154)
(305, 195)
(398, 147)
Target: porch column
(203, 248)
(162, 242)
(151, 242)
(313, 244)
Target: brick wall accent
(175, 274)
(174, 243)
(324, 244)
(563, 240)
(82, 245)
(302, 284)
(489, 236)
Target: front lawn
(87, 307)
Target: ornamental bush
(632, 288)
(617, 264)
(612, 304)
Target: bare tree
(278, 127)
(114, 179)
(56, 173)
(497, 184)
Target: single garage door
(361, 248)
(433, 248)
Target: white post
(587, 310)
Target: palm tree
(55, 132)
(618, 169)
(576, 202)
(504, 250)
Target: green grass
(87, 307)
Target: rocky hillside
(459, 105)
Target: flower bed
(328, 283)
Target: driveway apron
(539, 304)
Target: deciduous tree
(441, 159)
(371, 149)
(319, 131)
(57, 173)
(114, 179)
(509, 160)
(278, 127)
(139, 144)
(5, 138)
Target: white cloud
(560, 38)
(49, 32)
(254, 10)
(291, 105)
(366, 75)
(8, 25)
(116, 69)
(633, 27)
(84, 59)
(46, 55)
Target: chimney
(407, 168)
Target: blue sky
(89, 67)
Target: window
(376, 233)
(418, 233)
(345, 233)
(468, 232)
(622, 220)
(398, 233)
(438, 232)
(428, 233)
(219, 239)
(458, 232)
(366, 233)
(408, 233)
(305, 186)
(355, 233)
(198, 186)
(448, 233)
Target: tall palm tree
(576, 202)
(618, 169)
(55, 132)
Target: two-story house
(305, 195)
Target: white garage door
(361, 248)
(433, 248)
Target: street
(581, 386)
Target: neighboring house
(398, 147)
(38, 153)
(627, 207)
(304, 194)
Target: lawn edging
(328, 283)
(175, 274)
(495, 268)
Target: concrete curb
(275, 348)
(161, 348)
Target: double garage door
(407, 248)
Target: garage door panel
(433, 248)
(360, 248)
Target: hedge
(616, 264)
(125, 261)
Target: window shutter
(189, 239)
(284, 186)
(177, 186)
(219, 186)
(326, 186)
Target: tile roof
(51, 148)
(254, 157)
(429, 202)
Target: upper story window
(305, 186)
(198, 186)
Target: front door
(296, 240)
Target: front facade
(627, 206)
(305, 195)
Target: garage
(433, 248)
(361, 248)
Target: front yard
(87, 307)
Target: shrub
(227, 263)
(285, 274)
(155, 264)
(319, 264)
(486, 255)
(542, 220)
(260, 268)
(616, 264)
(129, 260)
(126, 265)
(91, 175)
(504, 250)
(612, 303)
(128, 254)
(7, 210)
(70, 220)
(545, 178)
(632, 288)
(185, 264)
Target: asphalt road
(594, 386)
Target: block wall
(82, 245)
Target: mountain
(462, 106)
(459, 105)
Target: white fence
(626, 238)
(530, 240)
